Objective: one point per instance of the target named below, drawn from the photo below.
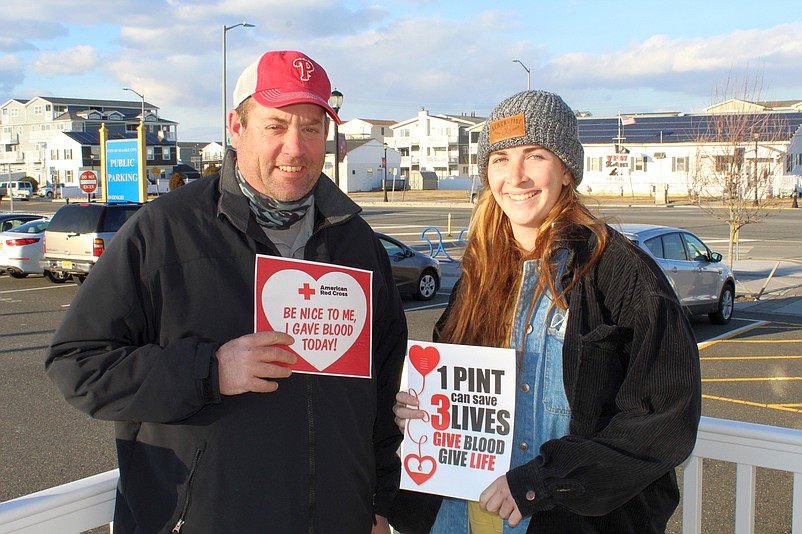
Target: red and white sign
(465, 440)
(326, 308)
(88, 182)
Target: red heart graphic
(424, 359)
(420, 474)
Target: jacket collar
(332, 206)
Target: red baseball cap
(282, 78)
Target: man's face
(280, 152)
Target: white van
(17, 189)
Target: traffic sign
(88, 182)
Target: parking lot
(751, 370)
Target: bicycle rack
(432, 252)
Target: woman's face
(526, 182)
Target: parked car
(21, 249)
(17, 189)
(413, 272)
(50, 191)
(79, 233)
(703, 284)
(10, 220)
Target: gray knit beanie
(533, 118)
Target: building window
(789, 163)
(151, 153)
(47, 107)
(54, 155)
(640, 164)
(67, 153)
(37, 110)
(679, 164)
(14, 112)
(165, 152)
(593, 164)
(68, 176)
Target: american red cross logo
(305, 68)
(306, 291)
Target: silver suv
(78, 234)
(703, 284)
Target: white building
(28, 126)
(365, 129)
(361, 168)
(435, 143)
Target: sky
(394, 57)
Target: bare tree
(739, 158)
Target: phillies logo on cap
(305, 68)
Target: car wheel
(428, 284)
(723, 312)
(57, 277)
(49, 194)
(17, 274)
(78, 279)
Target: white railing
(749, 446)
(89, 503)
(73, 507)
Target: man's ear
(235, 127)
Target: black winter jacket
(137, 347)
(632, 379)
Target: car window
(8, 224)
(391, 248)
(655, 246)
(673, 249)
(115, 217)
(76, 218)
(33, 227)
(697, 251)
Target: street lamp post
(384, 182)
(336, 101)
(528, 74)
(754, 176)
(225, 29)
(140, 95)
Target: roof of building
(351, 144)
(93, 103)
(376, 122)
(649, 129)
(93, 138)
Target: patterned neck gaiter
(272, 213)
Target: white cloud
(73, 61)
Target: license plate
(66, 265)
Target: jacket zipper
(311, 429)
(182, 518)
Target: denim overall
(541, 407)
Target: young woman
(608, 387)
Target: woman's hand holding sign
(497, 498)
(405, 408)
(246, 362)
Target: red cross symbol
(306, 291)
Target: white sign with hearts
(325, 308)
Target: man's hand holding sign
(248, 363)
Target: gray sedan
(414, 272)
(703, 284)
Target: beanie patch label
(507, 128)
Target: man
(214, 433)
